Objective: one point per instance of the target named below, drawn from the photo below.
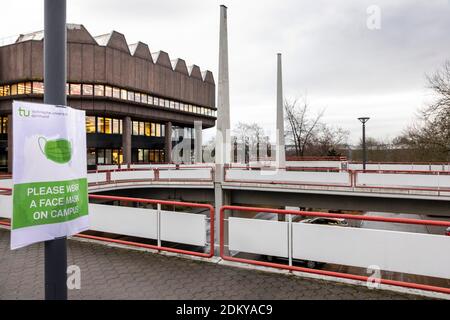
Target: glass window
(4, 125)
(75, 89)
(162, 102)
(101, 156)
(38, 88)
(147, 128)
(144, 98)
(116, 93)
(153, 130)
(141, 128)
(150, 100)
(135, 128)
(137, 97)
(100, 125)
(177, 105)
(88, 89)
(156, 101)
(1, 91)
(152, 155)
(163, 130)
(108, 91)
(145, 155)
(123, 94)
(99, 90)
(117, 156)
(108, 125)
(90, 124)
(67, 89)
(120, 126)
(167, 104)
(140, 155)
(91, 161)
(21, 88)
(157, 159)
(181, 106)
(27, 87)
(190, 108)
(108, 156)
(115, 126)
(13, 89)
(158, 130)
(172, 105)
(130, 96)
(6, 90)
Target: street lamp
(363, 121)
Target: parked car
(327, 221)
(447, 232)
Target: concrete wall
(109, 59)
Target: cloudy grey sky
(329, 53)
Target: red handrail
(324, 272)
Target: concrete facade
(108, 61)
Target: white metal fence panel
(400, 166)
(132, 175)
(141, 166)
(186, 228)
(258, 236)
(403, 180)
(314, 164)
(107, 167)
(188, 174)
(96, 177)
(183, 227)
(137, 222)
(281, 176)
(414, 253)
(5, 206)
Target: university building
(134, 99)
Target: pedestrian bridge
(241, 237)
(418, 181)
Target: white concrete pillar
(280, 144)
(168, 142)
(223, 140)
(126, 140)
(223, 148)
(198, 141)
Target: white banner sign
(50, 198)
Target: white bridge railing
(194, 226)
(297, 242)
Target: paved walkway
(115, 273)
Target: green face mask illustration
(59, 150)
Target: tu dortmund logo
(24, 112)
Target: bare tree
(302, 127)
(252, 138)
(330, 140)
(430, 135)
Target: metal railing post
(158, 224)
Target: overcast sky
(329, 53)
